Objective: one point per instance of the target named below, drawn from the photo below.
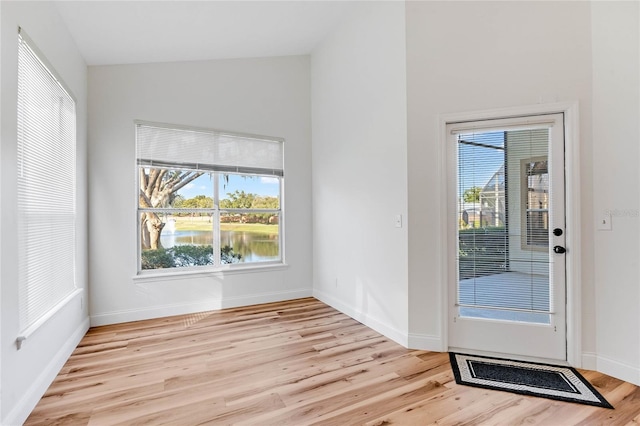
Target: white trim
(381, 327)
(444, 221)
(1, 239)
(509, 112)
(573, 231)
(425, 342)
(627, 372)
(511, 357)
(151, 275)
(32, 396)
(27, 332)
(491, 125)
(570, 110)
(589, 361)
(127, 315)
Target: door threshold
(511, 356)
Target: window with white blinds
(46, 185)
(503, 201)
(207, 198)
(208, 150)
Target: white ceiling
(126, 32)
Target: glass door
(507, 294)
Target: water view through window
(212, 219)
(207, 198)
(253, 245)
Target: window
(535, 180)
(46, 146)
(207, 198)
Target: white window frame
(216, 211)
(525, 209)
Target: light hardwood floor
(298, 362)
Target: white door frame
(572, 212)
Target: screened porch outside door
(509, 202)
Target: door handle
(559, 249)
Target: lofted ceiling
(127, 32)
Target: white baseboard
(385, 329)
(116, 317)
(426, 342)
(256, 299)
(589, 361)
(27, 403)
(628, 373)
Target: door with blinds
(507, 225)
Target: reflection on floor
(514, 292)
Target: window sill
(26, 333)
(146, 276)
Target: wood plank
(297, 362)
(626, 400)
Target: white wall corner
(387, 330)
(141, 314)
(27, 403)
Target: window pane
(177, 188)
(176, 240)
(249, 192)
(538, 228)
(537, 207)
(249, 238)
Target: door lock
(559, 249)
(557, 232)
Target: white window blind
(208, 150)
(46, 189)
(502, 211)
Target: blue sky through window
(261, 185)
(477, 161)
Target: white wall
(259, 96)
(360, 168)
(470, 56)
(616, 151)
(26, 373)
(375, 155)
(485, 55)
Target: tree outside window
(203, 214)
